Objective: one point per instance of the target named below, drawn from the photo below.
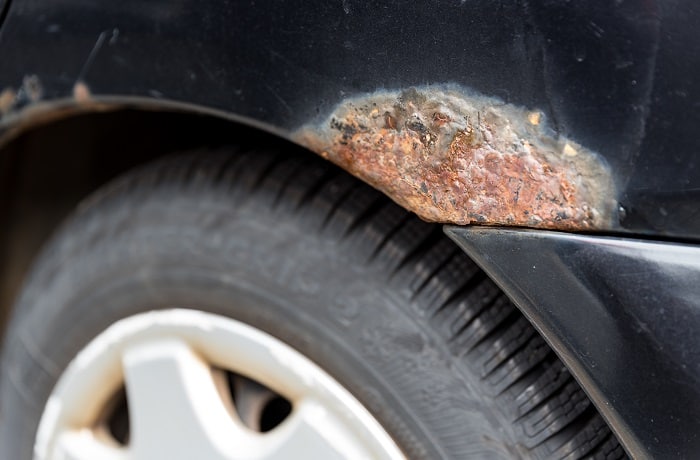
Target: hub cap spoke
(180, 405)
(175, 408)
(84, 445)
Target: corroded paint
(452, 157)
(81, 93)
(30, 92)
(7, 100)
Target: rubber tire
(297, 248)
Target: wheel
(264, 305)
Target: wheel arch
(53, 156)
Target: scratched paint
(455, 157)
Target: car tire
(289, 245)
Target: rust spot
(81, 92)
(534, 118)
(30, 92)
(7, 100)
(454, 157)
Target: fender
(622, 314)
(608, 85)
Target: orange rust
(455, 158)
(81, 92)
(7, 100)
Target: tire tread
(483, 332)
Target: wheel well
(47, 170)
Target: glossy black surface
(624, 315)
(4, 4)
(619, 76)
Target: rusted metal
(454, 157)
(7, 100)
(81, 93)
(30, 92)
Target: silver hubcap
(172, 364)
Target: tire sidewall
(314, 291)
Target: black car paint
(623, 315)
(620, 77)
(616, 76)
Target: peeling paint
(455, 157)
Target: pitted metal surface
(455, 157)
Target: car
(380, 229)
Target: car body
(608, 275)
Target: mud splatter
(452, 157)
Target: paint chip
(569, 150)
